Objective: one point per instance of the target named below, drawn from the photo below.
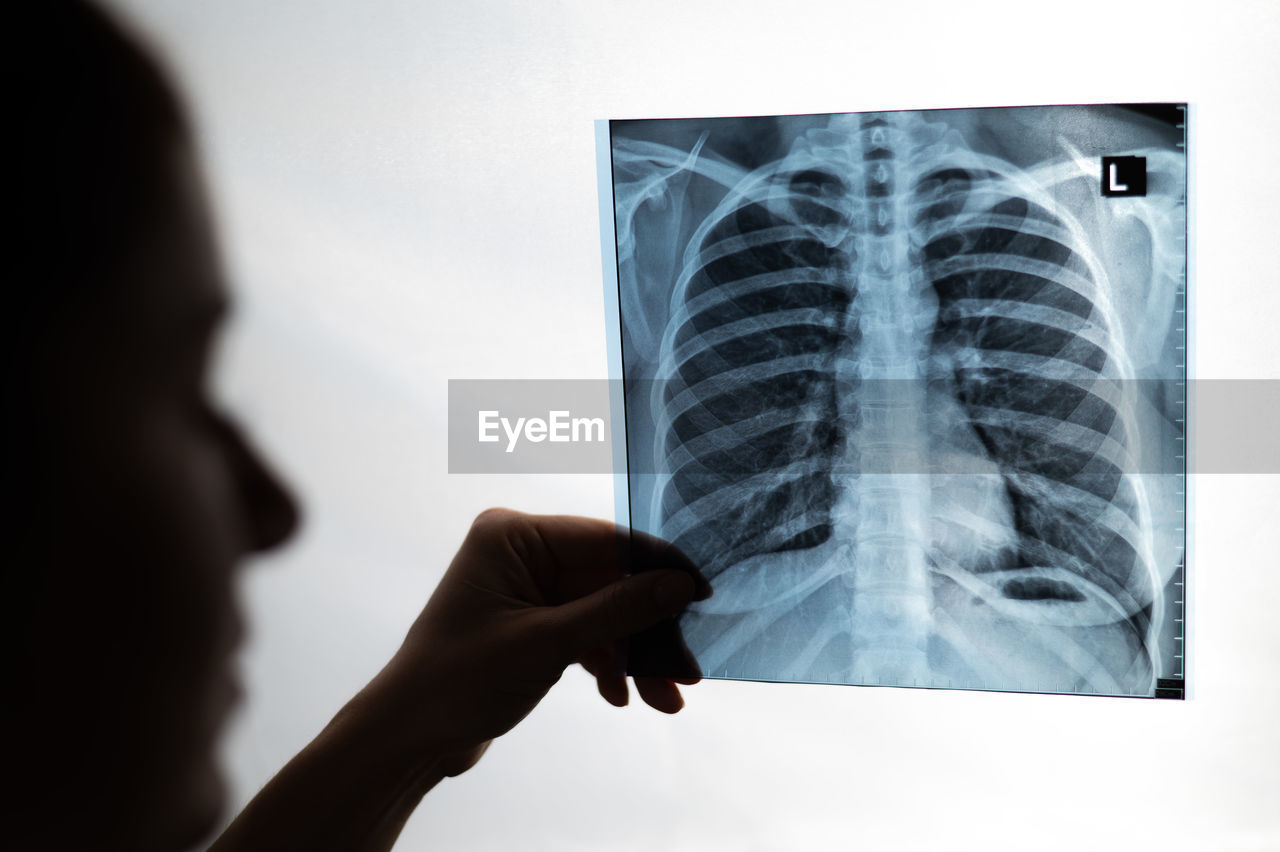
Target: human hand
(525, 597)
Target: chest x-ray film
(909, 388)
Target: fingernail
(673, 591)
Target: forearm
(352, 788)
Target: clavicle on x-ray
(909, 388)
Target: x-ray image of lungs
(909, 388)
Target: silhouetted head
(130, 499)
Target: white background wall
(407, 192)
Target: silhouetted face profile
(135, 498)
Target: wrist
(392, 724)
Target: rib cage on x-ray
(893, 418)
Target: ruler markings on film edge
(1173, 687)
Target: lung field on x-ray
(885, 386)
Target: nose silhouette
(272, 512)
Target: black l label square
(1124, 176)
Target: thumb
(622, 608)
